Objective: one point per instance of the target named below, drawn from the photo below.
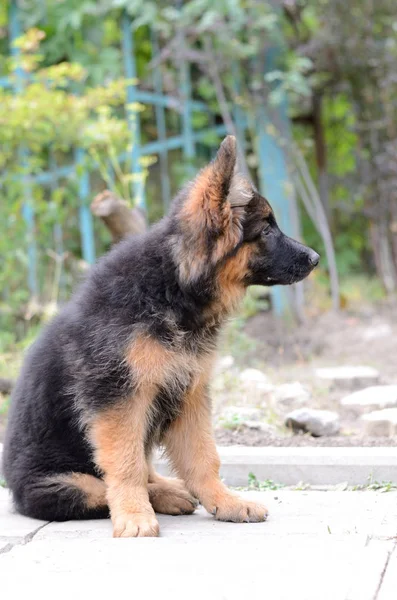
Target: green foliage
(46, 121)
(234, 340)
(360, 287)
(4, 406)
(341, 138)
(74, 96)
(376, 486)
(256, 300)
(262, 486)
(233, 423)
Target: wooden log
(119, 218)
(6, 385)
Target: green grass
(376, 486)
(262, 486)
(234, 422)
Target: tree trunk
(321, 154)
(119, 218)
(383, 256)
(393, 230)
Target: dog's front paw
(135, 525)
(235, 509)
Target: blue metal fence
(272, 163)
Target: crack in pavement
(25, 540)
(382, 576)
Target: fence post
(127, 42)
(238, 113)
(186, 88)
(85, 216)
(272, 175)
(274, 130)
(27, 207)
(186, 91)
(161, 126)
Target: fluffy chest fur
(168, 372)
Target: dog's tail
(62, 497)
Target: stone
(224, 363)
(317, 422)
(259, 426)
(254, 387)
(380, 423)
(254, 378)
(349, 378)
(290, 396)
(371, 398)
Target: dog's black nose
(314, 258)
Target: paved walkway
(315, 546)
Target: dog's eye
(266, 229)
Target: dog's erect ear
(220, 192)
(212, 214)
(225, 163)
(234, 188)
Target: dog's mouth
(297, 275)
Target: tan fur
(117, 435)
(152, 362)
(267, 209)
(189, 444)
(207, 210)
(93, 488)
(170, 497)
(231, 286)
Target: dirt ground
(365, 336)
(252, 437)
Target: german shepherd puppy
(126, 364)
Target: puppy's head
(228, 231)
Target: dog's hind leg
(169, 496)
(62, 497)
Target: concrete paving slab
(257, 568)
(14, 528)
(291, 514)
(388, 587)
(368, 571)
(328, 545)
(304, 569)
